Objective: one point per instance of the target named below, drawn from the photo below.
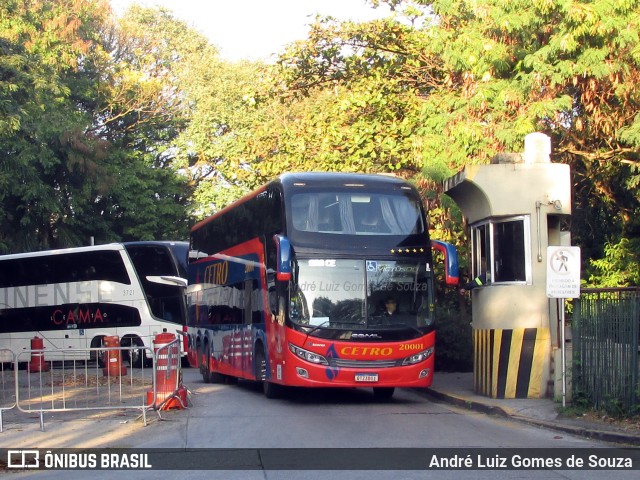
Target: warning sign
(563, 272)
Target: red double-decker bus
(316, 280)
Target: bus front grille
(345, 363)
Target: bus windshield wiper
(338, 323)
(316, 327)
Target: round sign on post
(563, 281)
(563, 272)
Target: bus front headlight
(308, 356)
(418, 357)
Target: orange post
(37, 363)
(113, 358)
(169, 394)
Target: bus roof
(316, 179)
(44, 253)
(161, 243)
(338, 178)
(93, 248)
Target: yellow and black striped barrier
(510, 363)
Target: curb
(587, 432)
(466, 403)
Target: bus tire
(383, 393)
(270, 390)
(205, 365)
(98, 355)
(211, 377)
(135, 356)
(198, 359)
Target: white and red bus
(288, 286)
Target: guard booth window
(500, 250)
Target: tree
(486, 73)
(48, 163)
(212, 149)
(146, 108)
(89, 114)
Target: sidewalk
(457, 389)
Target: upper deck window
(356, 213)
(69, 267)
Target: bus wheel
(383, 393)
(198, 362)
(135, 356)
(204, 366)
(98, 355)
(271, 390)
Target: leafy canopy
(480, 75)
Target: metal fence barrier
(7, 384)
(605, 327)
(32, 385)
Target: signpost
(563, 281)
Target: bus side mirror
(283, 266)
(451, 275)
(168, 280)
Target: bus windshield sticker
(317, 321)
(322, 263)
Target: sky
(257, 29)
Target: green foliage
(48, 163)
(454, 342)
(214, 148)
(612, 407)
(618, 267)
(133, 128)
(83, 131)
(477, 77)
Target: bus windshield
(357, 213)
(361, 294)
(165, 301)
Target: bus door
(75, 338)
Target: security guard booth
(515, 207)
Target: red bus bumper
(349, 364)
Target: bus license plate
(366, 377)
